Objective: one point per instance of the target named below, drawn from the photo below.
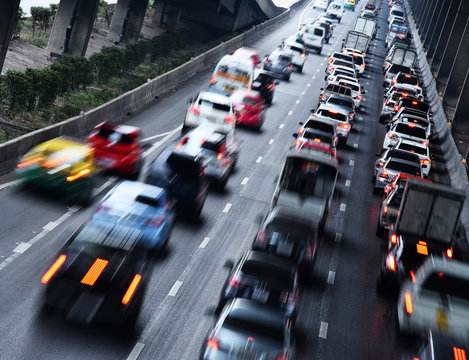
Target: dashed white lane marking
(347, 183)
(104, 186)
(343, 206)
(290, 113)
(304, 92)
(367, 83)
(360, 118)
(364, 99)
(281, 126)
(323, 330)
(204, 243)
(317, 70)
(297, 101)
(355, 146)
(227, 207)
(136, 351)
(308, 84)
(50, 226)
(271, 141)
(21, 248)
(174, 290)
(259, 159)
(11, 183)
(331, 277)
(352, 162)
(245, 181)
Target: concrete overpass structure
(75, 18)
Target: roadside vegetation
(34, 99)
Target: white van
(232, 73)
(335, 10)
(398, 12)
(312, 36)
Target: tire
(327, 41)
(319, 51)
(339, 20)
(299, 68)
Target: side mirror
(322, 89)
(229, 264)
(295, 135)
(313, 110)
(378, 154)
(300, 123)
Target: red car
(248, 107)
(117, 148)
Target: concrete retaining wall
(456, 169)
(132, 102)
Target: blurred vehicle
(350, 65)
(265, 84)
(367, 14)
(209, 106)
(413, 104)
(280, 64)
(117, 148)
(358, 60)
(312, 138)
(247, 329)
(349, 4)
(335, 10)
(339, 117)
(321, 124)
(340, 70)
(286, 234)
(409, 131)
(248, 108)
(312, 36)
(327, 27)
(232, 73)
(391, 101)
(392, 167)
(265, 278)
(184, 178)
(436, 299)
(356, 90)
(320, 4)
(438, 346)
(144, 209)
(396, 11)
(64, 165)
(249, 54)
(297, 51)
(335, 89)
(393, 153)
(366, 26)
(410, 90)
(337, 55)
(370, 7)
(217, 147)
(99, 275)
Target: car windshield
(450, 285)
(320, 126)
(340, 101)
(332, 114)
(403, 167)
(412, 148)
(407, 79)
(394, 69)
(410, 130)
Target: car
(357, 92)
(338, 116)
(333, 88)
(344, 103)
(280, 64)
(437, 300)
(298, 53)
(396, 11)
(370, 7)
(265, 84)
(438, 346)
(391, 71)
(387, 112)
(146, 209)
(391, 202)
(63, 165)
(414, 119)
(248, 53)
(410, 90)
(358, 60)
(247, 329)
(393, 153)
(311, 138)
(320, 4)
(350, 65)
(367, 14)
(284, 234)
(183, 176)
(340, 70)
(265, 278)
(312, 36)
(391, 168)
(335, 10)
(337, 55)
(321, 124)
(422, 151)
(248, 108)
(414, 104)
(404, 78)
(210, 106)
(117, 148)
(411, 132)
(99, 276)
(349, 4)
(327, 27)
(218, 148)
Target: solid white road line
(281, 126)
(174, 290)
(204, 243)
(136, 351)
(323, 330)
(21, 248)
(227, 207)
(158, 143)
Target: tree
(106, 11)
(41, 17)
(16, 88)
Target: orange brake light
(422, 248)
(449, 253)
(56, 161)
(393, 239)
(78, 175)
(414, 102)
(29, 162)
(408, 303)
(132, 287)
(93, 273)
(53, 269)
(459, 354)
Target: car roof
(251, 310)
(334, 107)
(128, 191)
(291, 217)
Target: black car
(280, 64)
(266, 278)
(288, 236)
(437, 346)
(247, 329)
(183, 176)
(99, 276)
(265, 84)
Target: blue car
(144, 211)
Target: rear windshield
(344, 63)
(254, 328)
(342, 56)
(358, 60)
(332, 114)
(320, 126)
(208, 105)
(407, 79)
(420, 122)
(446, 284)
(340, 101)
(394, 69)
(184, 165)
(411, 131)
(269, 272)
(414, 104)
(350, 86)
(311, 134)
(412, 148)
(403, 167)
(397, 13)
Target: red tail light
(359, 96)
(53, 269)
(93, 273)
(301, 131)
(154, 221)
(219, 156)
(182, 142)
(212, 80)
(262, 237)
(331, 68)
(391, 262)
(281, 357)
(344, 126)
(449, 253)
(289, 67)
(459, 354)
(29, 162)
(394, 81)
(384, 174)
(131, 290)
(229, 119)
(414, 102)
(404, 95)
(392, 135)
(331, 60)
(425, 161)
(396, 108)
(411, 125)
(408, 303)
(212, 343)
(362, 65)
(194, 110)
(236, 281)
(407, 76)
(385, 210)
(78, 175)
(424, 143)
(393, 239)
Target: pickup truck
(357, 41)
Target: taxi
(349, 4)
(62, 164)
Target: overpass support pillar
(166, 15)
(127, 21)
(452, 47)
(72, 27)
(436, 26)
(8, 11)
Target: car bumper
(380, 183)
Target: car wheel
(327, 41)
(339, 20)
(184, 129)
(319, 51)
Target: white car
(414, 119)
(320, 4)
(209, 106)
(358, 59)
(312, 36)
(337, 115)
(335, 10)
(340, 70)
(356, 90)
(422, 151)
(436, 298)
(399, 131)
(297, 52)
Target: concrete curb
(132, 102)
(456, 169)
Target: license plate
(260, 294)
